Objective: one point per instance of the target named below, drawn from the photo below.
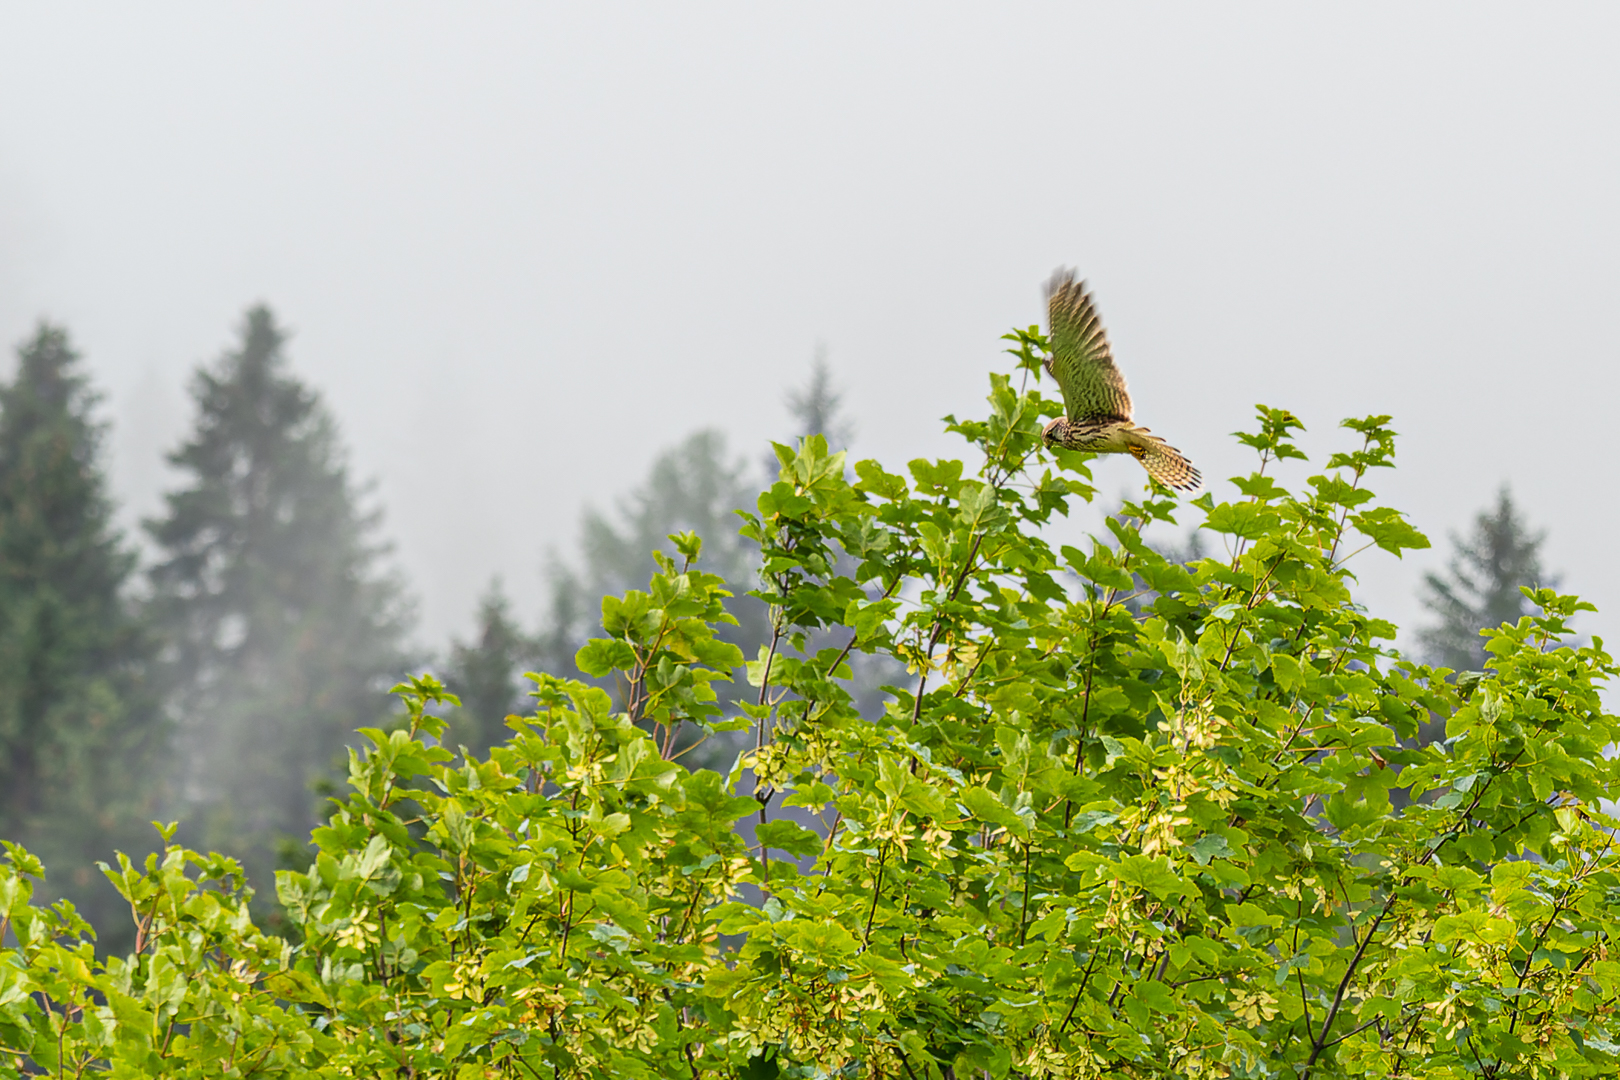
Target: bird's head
(1054, 434)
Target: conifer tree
(285, 635)
(694, 486)
(79, 729)
(484, 673)
(1480, 589)
(817, 407)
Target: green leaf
(1155, 995)
(822, 943)
(1389, 530)
(873, 479)
(1207, 847)
(601, 656)
(982, 804)
(1289, 672)
(789, 836)
(1248, 521)
(1153, 875)
(911, 793)
(936, 477)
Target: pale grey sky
(525, 246)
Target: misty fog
(523, 249)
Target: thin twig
(1023, 918)
(877, 888)
(939, 627)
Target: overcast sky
(525, 247)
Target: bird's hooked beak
(1051, 433)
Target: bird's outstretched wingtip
(1062, 278)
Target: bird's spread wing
(1082, 361)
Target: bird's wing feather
(1082, 361)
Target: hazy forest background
(543, 283)
(219, 679)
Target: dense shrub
(1130, 818)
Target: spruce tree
(80, 732)
(284, 634)
(1480, 589)
(485, 673)
(817, 407)
(695, 486)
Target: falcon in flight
(1097, 407)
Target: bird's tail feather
(1163, 462)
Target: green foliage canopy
(1092, 839)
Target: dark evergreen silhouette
(80, 730)
(486, 674)
(284, 634)
(1480, 588)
